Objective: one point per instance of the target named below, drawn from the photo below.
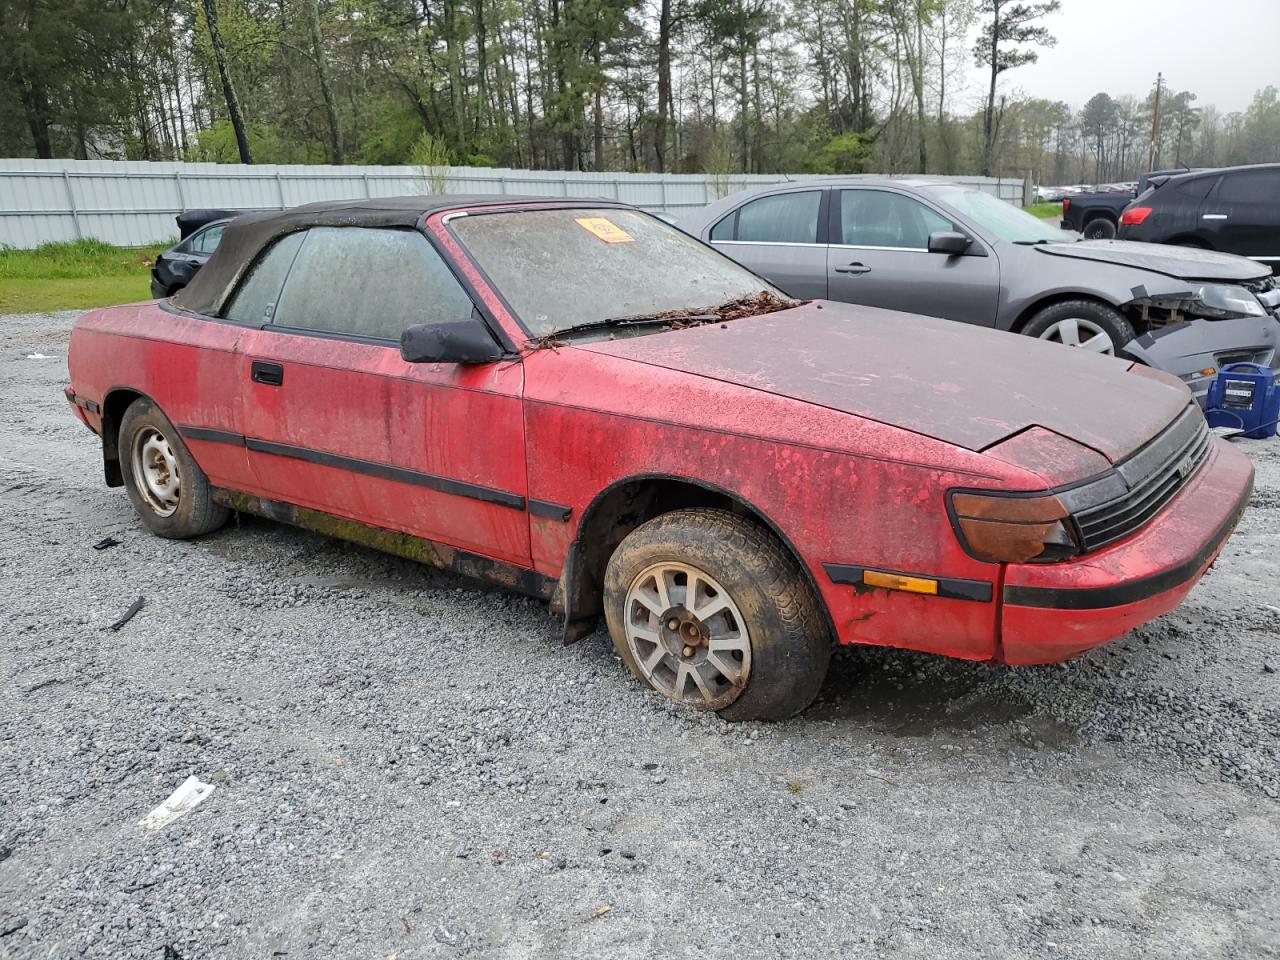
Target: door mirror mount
(949, 242)
(455, 341)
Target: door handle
(854, 267)
(270, 374)
(1214, 216)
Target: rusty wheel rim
(1078, 332)
(155, 471)
(687, 636)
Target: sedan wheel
(1078, 332)
(169, 491)
(687, 635)
(155, 471)
(712, 611)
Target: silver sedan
(950, 250)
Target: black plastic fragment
(105, 543)
(128, 615)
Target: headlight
(1011, 529)
(1226, 301)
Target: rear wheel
(1085, 324)
(1099, 228)
(169, 491)
(710, 610)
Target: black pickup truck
(1096, 216)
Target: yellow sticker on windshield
(606, 230)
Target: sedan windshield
(1004, 220)
(569, 268)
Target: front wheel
(169, 491)
(710, 610)
(1086, 324)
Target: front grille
(1113, 506)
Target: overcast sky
(1222, 50)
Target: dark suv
(1234, 210)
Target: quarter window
(369, 283)
(1198, 188)
(255, 301)
(878, 218)
(781, 218)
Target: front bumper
(1052, 612)
(1186, 349)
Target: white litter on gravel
(181, 802)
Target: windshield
(1004, 220)
(564, 268)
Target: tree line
(700, 86)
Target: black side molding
(950, 588)
(550, 510)
(386, 471)
(212, 436)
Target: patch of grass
(1044, 210)
(74, 276)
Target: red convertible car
(578, 401)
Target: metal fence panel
(131, 203)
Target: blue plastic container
(1245, 396)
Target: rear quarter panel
(184, 364)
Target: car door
(335, 420)
(1242, 214)
(879, 257)
(780, 237)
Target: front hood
(1184, 263)
(957, 383)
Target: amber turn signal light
(1004, 529)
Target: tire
(152, 457)
(1088, 319)
(1099, 228)
(768, 631)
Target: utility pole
(1155, 125)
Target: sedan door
(1242, 215)
(879, 257)
(336, 420)
(780, 237)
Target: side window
(255, 300)
(878, 218)
(1251, 186)
(369, 283)
(208, 240)
(781, 218)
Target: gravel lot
(407, 765)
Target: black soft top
(248, 235)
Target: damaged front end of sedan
(1193, 329)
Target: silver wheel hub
(1078, 332)
(687, 636)
(155, 471)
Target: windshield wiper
(639, 320)
(1035, 243)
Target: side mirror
(948, 242)
(457, 341)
